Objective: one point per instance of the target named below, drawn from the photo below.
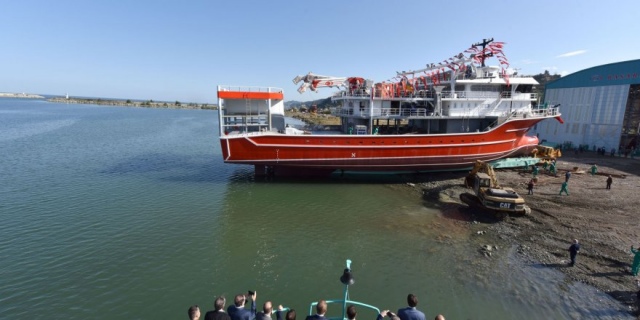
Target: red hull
(380, 152)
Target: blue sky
(181, 50)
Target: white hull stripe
(379, 146)
(516, 130)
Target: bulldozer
(489, 196)
(546, 153)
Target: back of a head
(291, 315)
(412, 300)
(440, 317)
(351, 312)
(267, 308)
(321, 307)
(239, 300)
(193, 312)
(219, 303)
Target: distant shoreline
(20, 95)
(138, 104)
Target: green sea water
(130, 213)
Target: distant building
(600, 106)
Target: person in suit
(194, 312)
(351, 312)
(574, 249)
(237, 310)
(385, 313)
(410, 312)
(321, 309)
(218, 313)
(291, 314)
(267, 309)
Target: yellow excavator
(489, 196)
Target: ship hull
(411, 152)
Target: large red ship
(441, 117)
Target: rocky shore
(131, 103)
(604, 221)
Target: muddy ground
(604, 221)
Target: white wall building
(600, 107)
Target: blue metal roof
(626, 72)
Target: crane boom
(315, 81)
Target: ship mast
(484, 44)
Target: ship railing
(488, 95)
(493, 104)
(402, 94)
(382, 94)
(469, 95)
(454, 95)
(546, 112)
(343, 303)
(424, 94)
(347, 280)
(383, 112)
(535, 113)
(245, 124)
(342, 112)
(250, 89)
(352, 93)
(396, 112)
(518, 95)
(243, 132)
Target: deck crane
(315, 81)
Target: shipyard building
(600, 108)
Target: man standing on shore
(564, 188)
(573, 252)
(530, 186)
(609, 181)
(636, 261)
(534, 170)
(553, 169)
